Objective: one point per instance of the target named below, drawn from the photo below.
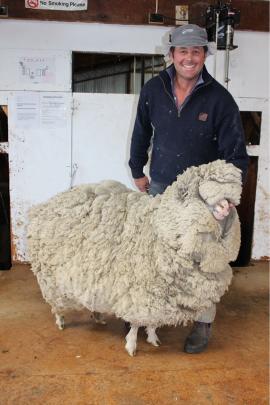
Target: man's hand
(222, 209)
(142, 183)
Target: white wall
(19, 34)
(94, 143)
(102, 128)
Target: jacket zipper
(180, 109)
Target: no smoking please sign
(67, 5)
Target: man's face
(189, 61)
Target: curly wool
(149, 260)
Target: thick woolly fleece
(149, 260)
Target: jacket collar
(166, 77)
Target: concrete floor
(86, 363)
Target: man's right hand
(142, 184)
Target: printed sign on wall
(36, 70)
(35, 110)
(65, 5)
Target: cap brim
(212, 48)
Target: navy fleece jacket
(207, 127)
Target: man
(190, 119)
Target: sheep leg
(60, 321)
(131, 340)
(99, 318)
(152, 336)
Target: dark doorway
(252, 127)
(113, 72)
(5, 244)
(246, 213)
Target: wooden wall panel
(254, 13)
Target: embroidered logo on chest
(203, 116)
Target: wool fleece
(151, 261)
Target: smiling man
(191, 120)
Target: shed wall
(93, 144)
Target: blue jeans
(208, 315)
(157, 188)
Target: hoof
(131, 350)
(99, 318)
(100, 321)
(155, 342)
(60, 322)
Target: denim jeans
(156, 188)
(207, 316)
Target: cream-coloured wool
(151, 261)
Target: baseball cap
(188, 35)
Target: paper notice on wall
(36, 70)
(35, 110)
(25, 108)
(53, 111)
(65, 5)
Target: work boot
(197, 340)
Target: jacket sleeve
(141, 138)
(231, 139)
